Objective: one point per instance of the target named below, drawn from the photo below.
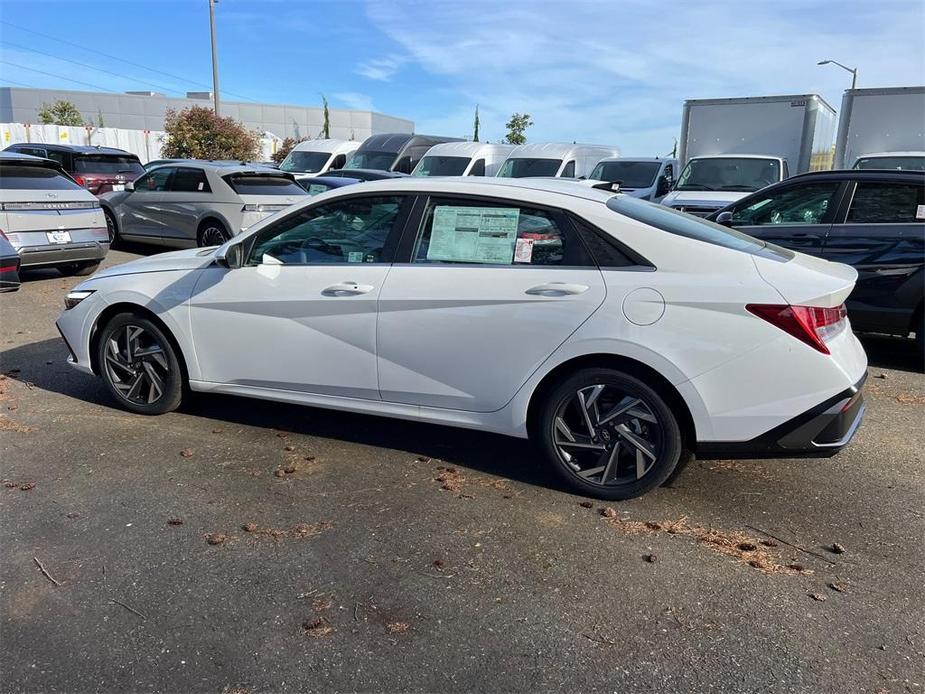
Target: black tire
(111, 228)
(651, 423)
(210, 231)
(121, 371)
(79, 269)
(920, 336)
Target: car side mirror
(129, 187)
(724, 218)
(664, 185)
(230, 256)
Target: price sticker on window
(920, 212)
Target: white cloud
(362, 102)
(381, 69)
(619, 72)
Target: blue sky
(608, 71)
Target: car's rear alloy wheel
(111, 228)
(139, 365)
(212, 234)
(610, 434)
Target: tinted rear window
(688, 226)
(13, 177)
(107, 163)
(264, 184)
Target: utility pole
(215, 102)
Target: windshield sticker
(474, 234)
(920, 212)
(523, 250)
(355, 257)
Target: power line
(18, 84)
(120, 59)
(93, 67)
(51, 74)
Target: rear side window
(263, 184)
(886, 203)
(14, 177)
(190, 181)
(494, 233)
(107, 163)
(688, 226)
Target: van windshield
(729, 173)
(441, 166)
(630, 174)
(904, 163)
(305, 161)
(371, 159)
(525, 168)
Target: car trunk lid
(804, 280)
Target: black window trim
(389, 250)
(405, 253)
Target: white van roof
(329, 145)
(608, 159)
(560, 150)
(473, 150)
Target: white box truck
(732, 147)
(881, 129)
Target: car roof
(735, 156)
(221, 167)
(558, 150)
(879, 155)
(842, 174)
(78, 149)
(467, 149)
(329, 145)
(652, 159)
(18, 158)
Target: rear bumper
(821, 431)
(38, 256)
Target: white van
(315, 157)
(462, 159)
(555, 160)
(648, 178)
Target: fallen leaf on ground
(175, 521)
(282, 434)
(27, 486)
(422, 459)
(278, 472)
(651, 558)
(450, 480)
(216, 538)
(818, 597)
(249, 527)
(609, 512)
(586, 504)
(317, 627)
(397, 627)
(186, 453)
(839, 586)
(837, 548)
(289, 448)
(289, 469)
(910, 399)
(438, 563)
(323, 603)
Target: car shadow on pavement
(890, 352)
(43, 365)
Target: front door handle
(557, 289)
(347, 289)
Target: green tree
(100, 123)
(61, 112)
(516, 126)
(475, 126)
(197, 133)
(326, 127)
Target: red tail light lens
(81, 181)
(813, 325)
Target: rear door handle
(557, 289)
(347, 289)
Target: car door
(181, 207)
(300, 315)
(880, 233)
(488, 290)
(796, 216)
(140, 213)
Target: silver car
(48, 218)
(197, 203)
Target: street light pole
(215, 101)
(852, 70)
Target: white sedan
(620, 336)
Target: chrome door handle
(347, 289)
(557, 289)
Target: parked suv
(98, 169)
(190, 203)
(871, 220)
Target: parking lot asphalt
(245, 546)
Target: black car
(871, 220)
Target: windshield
(107, 163)
(371, 159)
(13, 177)
(729, 173)
(441, 166)
(523, 168)
(630, 174)
(264, 185)
(305, 161)
(905, 163)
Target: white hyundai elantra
(620, 336)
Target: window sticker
(199, 187)
(355, 257)
(316, 188)
(920, 212)
(473, 234)
(523, 250)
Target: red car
(98, 169)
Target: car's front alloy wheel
(610, 434)
(139, 365)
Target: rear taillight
(81, 181)
(813, 325)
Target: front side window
(569, 170)
(805, 204)
(478, 168)
(886, 203)
(524, 168)
(156, 180)
(493, 233)
(342, 232)
(107, 164)
(19, 177)
(729, 173)
(190, 181)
